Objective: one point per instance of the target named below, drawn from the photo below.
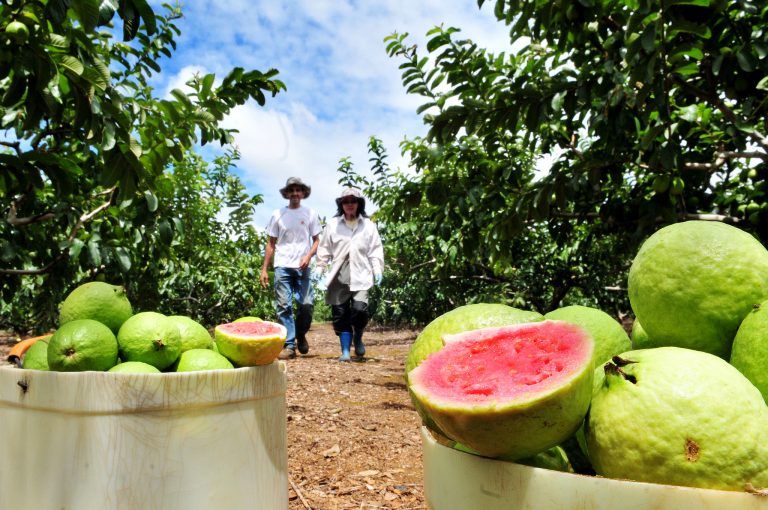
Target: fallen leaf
(369, 472)
(332, 451)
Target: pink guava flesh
(250, 329)
(505, 363)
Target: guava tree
(86, 142)
(647, 112)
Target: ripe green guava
(510, 391)
(692, 283)
(681, 417)
(609, 336)
(750, 348)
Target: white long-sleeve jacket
(363, 245)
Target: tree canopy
(544, 167)
(89, 146)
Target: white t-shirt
(294, 230)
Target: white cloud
(342, 86)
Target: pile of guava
(680, 402)
(98, 331)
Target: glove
(324, 280)
(377, 278)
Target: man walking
(294, 233)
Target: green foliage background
(647, 112)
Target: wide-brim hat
(295, 181)
(351, 192)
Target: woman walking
(351, 246)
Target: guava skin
(681, 417)
(692, 283)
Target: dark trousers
(350, 316)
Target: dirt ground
(353, 435)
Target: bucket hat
(351, 192)
(295, 181)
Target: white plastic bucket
(97, 440)
(455, 480)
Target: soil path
(353, 435)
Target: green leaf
(123, 258)
(152, 201)
(166, 232)
(87, 12)
(648, 39)
(94, 251)
(72, 64)
(746, 60)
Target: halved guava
(512, 391)
(458, 320)
(250, 343)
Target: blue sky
(342, 86)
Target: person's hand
(377, 278)
(304, 262)
(264, 278)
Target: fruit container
(455, 480)
(194, 440)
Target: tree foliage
(88, 146)
(544, 167)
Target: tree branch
(724, 156)
(84, 218)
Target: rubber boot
(346, 342)
(359, 345)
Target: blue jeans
(293, 283)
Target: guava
(639, 336)
(150, 337)
(250, 343)
(18, 32)
(247, 318)
(36, 357)
(463, 318)
(80, 345)
(510, 391)
(681, 417)
(750, 348)
(193, 334)
(554, 459)
(609, 336)
(99, 301)
(692, 283)
(134, 367)
(195, 360)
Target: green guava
(510, 391)
(193, 334)
(18, 32)
(609, 336)
(639, 336)
(134, 367)
(150, 337)
(750, 348)
(81, 345)
(692, 283)
(36, 357)
(248, 318)
(554, 459)
(681, 417)
(99, 301)
(195, 360)
(463, 318)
